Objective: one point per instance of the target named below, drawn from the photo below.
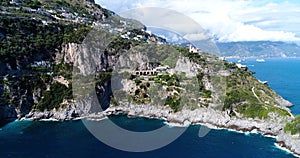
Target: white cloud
(164, 18)
(231, 20)
(196, 37)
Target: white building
(140, 36)
(241, 66)
(194, 49)
(51, 11)
(149, 32)
(222, 58)
(44, 22)
(161, 68)
(16, 2)
(125, 36)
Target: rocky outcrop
(283, 102)
(208, 116)
(289, 142)
(84, 58)
(185, 65)
(132, 61)
(72, 110)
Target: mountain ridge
(240, 49)
(259, 49)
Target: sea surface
(71, 139)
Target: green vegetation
(120, 44)
(277, 110)
(26, 38)
(173, 102)
(35, 4)
(64, 70)
(293, 126)
(102, 78)
(141, 94)
(253, 110)
(54, 97)
(229, 66)
(167, 80)
(137, 81)
(153, 86)
(75, 33)
(20, 86)
(251, 107)
(239, 96)
(195, 57)
(203, 91)
(168, 55)
(4, 3)
(72, 6)
(165, 55)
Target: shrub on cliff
(54, 97)
(293, 126)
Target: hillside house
(194, 49)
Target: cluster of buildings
(132, 36)
(62, 11)
(144, 36)
(152, 72)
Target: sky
(230, 20)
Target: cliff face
(51, 95)
(39, 81)
(28, 69)
(36, 76)
(84, 62)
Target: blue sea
(71, 139)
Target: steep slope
(34, 35)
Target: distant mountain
(241, 49)
(207, 45)
(171, 37)
(259, 49)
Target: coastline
(174, 121)
(286, 149)
(208, 117)
(255, 57)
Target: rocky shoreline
(205, 116)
